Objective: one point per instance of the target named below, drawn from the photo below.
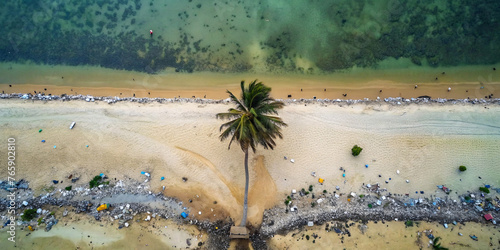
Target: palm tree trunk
(245, 201)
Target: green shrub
(310, 188)
(484, 189)
(40, 221)
(95, 182)
(307, 237)
(287, 202)
(356, 150)
(324, 191)
(313, 204)
(28, 214)
(306, 193)
(462, 168)
(361, 196)
(68, 188)
(467, 198)
(409, 223)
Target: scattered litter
(343, 175)
(368, 185)
(319, 200)
(292, 161)
(353, 194)
(407, 181)
(55, 146)
(473, 237)
(87, 146)
(72, 125)
(285, 158)
(445, 225)
(397, 171)
(104, 206)
(337, 187)
(320, 180)
(25, 203)
(40, 131)
(184, 179)
(55, 182)
(184, 215)
(199, 212)
(294, 191)
(460, 234)
(43, 140)
(162, 178)
(310, 223)
(313, 173)
(379, 202)
(366, 165)
(126, 224)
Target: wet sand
(390, 235)
(80, 231)
(465, 82)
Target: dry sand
(426, 143)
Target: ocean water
(265, 36)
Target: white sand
(426, 143)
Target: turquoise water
(275, 36)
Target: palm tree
(252, 123)
(436, 245)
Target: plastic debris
(55, 182)
(397, 171)
(292, 161)
(40, 131)
(294, 191)
(310, 223)
(184, 215)
(321, 180)
(313, 173)
(55, 146)
(72, 125)
(445, 225)
(43, 140)
(103, 207)
(366, 165)
(162, 178)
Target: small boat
(473, 237)
(72, 125)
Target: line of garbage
(115, 99)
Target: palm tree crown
(252, 121)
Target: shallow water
(256, 36)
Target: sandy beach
(425, 143)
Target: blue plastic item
(343, 175)
(101, 174)
(162, 178)
(487, 186)
(366, 165)
(55, 147)
(143, 172)
(184, 215)
(43, 140)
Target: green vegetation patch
(28, 214)
(356, 150)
